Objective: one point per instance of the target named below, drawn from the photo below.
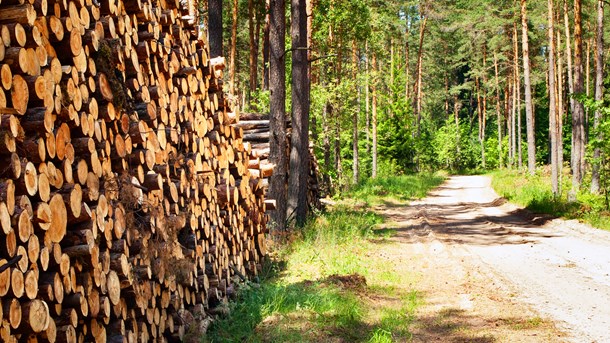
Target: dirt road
(492, 272)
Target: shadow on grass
(326, 310)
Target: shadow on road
(466, 223)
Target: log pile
(255, 127)
(127, 203)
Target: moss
(106, 62)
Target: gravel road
(501, 259)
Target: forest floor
(489, 271)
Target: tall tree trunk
(233, 46)
(277, 124)
(566, 20)
(326, 115)
(418, 82)
(407, 64)
(337, 118)
(355, 156)
(529, 111)
(367, 100)
(518, 133)
(511, 125)
(560, 108)
(374, 118)
(552, 102)
(599, 84)
(498, 112)
(480, 116)
(578, 125)
(310, 42)
(215, 28)
(266, 47)
(299, 153)
(253, 47)
(484, 128)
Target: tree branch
(294, 49)
(322, 57)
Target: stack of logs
(127, 202)
(255, 127)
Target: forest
(409, 86)
(500, 103)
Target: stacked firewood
(127, 203)
(255, 128)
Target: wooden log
(35, 314)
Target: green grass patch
(534, 193)
(333, 281)
(395, 188)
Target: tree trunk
(299, 153)
(529, 111)
(407, 69)
(566, 19)
(418, 82)
(578, 125)
(215, 28)
(374, 118)
(599, 84)
(552, 103)
(277, 124)
(480, 116)
(355, 155)
(498, 112)
(511, 125)
(367, 109)
(326, 115)
(253, 47)
(266, 47)
(518, 137)
(560, 108)
(484, 127)
(233, 46)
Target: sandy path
(493, 272)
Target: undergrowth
(534, 193)
(325, 280)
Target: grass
(331, 282)
(534, 193)
(395, 188)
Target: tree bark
(578, 124)
(253, 46)
(566, 19)
(277, 124)
(498, 112)
(215, 28)
(552, 102)
(367, 96)
(374, 118)
(599, 84)
(484, 127)
(529, 111)
(418, 82)
(299, 153)
(560, 107)
(266, 47)
(355, 156)
(233, 46)
(407, 65)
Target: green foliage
(534, 193)
(259, 102)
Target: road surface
(490, 271)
